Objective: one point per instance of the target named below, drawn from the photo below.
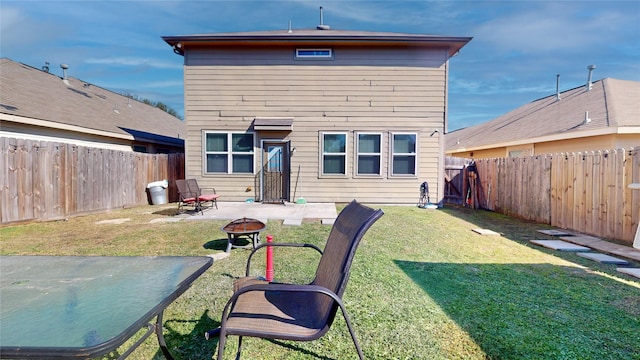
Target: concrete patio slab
(560, 245)
(630, 271)
(603, 258)
(485, 232)
(238, 210)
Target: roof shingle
(610, 104)
(35, 94)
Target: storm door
(275, 172)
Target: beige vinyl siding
(360, 91)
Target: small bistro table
(248, 227)
(87, 306)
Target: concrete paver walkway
(604, 246)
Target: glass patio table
(87, 306)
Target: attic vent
(314, 54)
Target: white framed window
(314, 54)
(368, 153)
(229, 152)
(334, 153)
(403, 154)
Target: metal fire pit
(247, 227)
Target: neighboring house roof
(612, 106)
(312, 37)
(36, 97)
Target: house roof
(319, 38)
(36, 97)
(611, 106)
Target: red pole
(269, 271)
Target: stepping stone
(219, 256)
(603, 258)
(327, 221)
(581, 239)
(560, 245)
(485, 232)
(630, 271)
(292, 222)
(113, 221)
(554, 232)
(164, 220)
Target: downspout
(441, 158)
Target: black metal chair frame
(330, 282)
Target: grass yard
(423, 286)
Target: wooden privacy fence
(46, 180)
(585, 192)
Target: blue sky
(517, 50)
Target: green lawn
(423, 286)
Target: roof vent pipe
(589, 84)
(558, 87)
(322, 26)
(64, 73)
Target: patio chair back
(184, 190)
(335, 264)
(194, 188)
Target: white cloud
(134, 61)
(555, 26)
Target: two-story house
(327, 115)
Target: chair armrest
(275, 287)
(210, 188)
(263, 245)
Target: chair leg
(239, 347)
(352, 332)
(221, 342)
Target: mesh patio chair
(299, 312)
(191, 195)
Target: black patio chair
(299, 312)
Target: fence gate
(454, 184)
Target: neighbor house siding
(591, 143)
(361, 90)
